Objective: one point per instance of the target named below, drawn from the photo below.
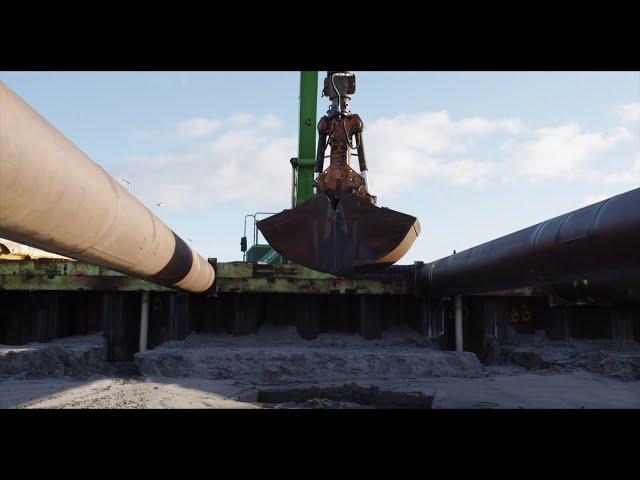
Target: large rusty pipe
(600, 239)
(54, 197)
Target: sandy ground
(520, 390)
(109, 392)
(221, 371)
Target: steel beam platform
(231, 277)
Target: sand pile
(71, 356)
(278, 354)
(595, 356)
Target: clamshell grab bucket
(352, 238)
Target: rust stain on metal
(236, 277)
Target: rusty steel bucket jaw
(346, 238)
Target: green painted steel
(272, 257)
(231, 277)
(307, 135)
(263, 253)
(243, 277)
(257, 251)
(66, 275)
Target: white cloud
(269, 122)
(406, 149)
(561, 151)
(479, 125)
(190, 129)
(436, 132)
(629, 176)
(201, 127)
(196, 127)
(243, 158)
(242, 161)
(241, 119)
(146, 135)
(596, 197)
(465, 172)
(630, 112)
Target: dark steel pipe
(603, 238)
(54, 197)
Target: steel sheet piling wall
(600, 239)
(54, 197)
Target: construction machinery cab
(257, 252)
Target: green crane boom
(306, 160)
(303, 164)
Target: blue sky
(474, 155)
